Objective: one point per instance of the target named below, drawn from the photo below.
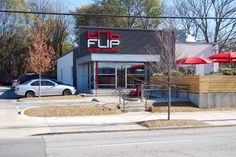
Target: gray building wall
(132, 41)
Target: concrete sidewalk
(13, 124)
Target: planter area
(211, 91)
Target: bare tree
(218, 30)
(163, 71)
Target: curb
(130, 130)
(50, 101)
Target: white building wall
(65, 69)
(203, 50)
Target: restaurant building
(109, 58)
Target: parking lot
(7, 93)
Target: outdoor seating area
(210, 91)
(225, 58)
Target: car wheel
(67, 92)
(29, 94)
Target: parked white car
(48, 87)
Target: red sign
(104, 40)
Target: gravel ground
(170, 123)
(184, 107)
(85, 110)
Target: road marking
(140, 143)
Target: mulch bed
(183, 107)
(82, 110)
(171, 123)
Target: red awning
(192, 60)
(138, 66)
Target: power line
(109, 15)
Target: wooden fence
(210, 84)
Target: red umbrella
(224, 55)
(223, 60)
(192, 60)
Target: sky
(72, 4)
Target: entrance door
(121, 75)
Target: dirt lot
(183, 107)
(85, 110)
(171, 123)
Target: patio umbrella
(224, 57)
(223, 60)
(192, 61)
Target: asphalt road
(209, 142)
(7, 93)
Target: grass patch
(170, 123)
(183, 107)
(83, 110)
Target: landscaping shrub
(227, 72)
(234, 72)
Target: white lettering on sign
(94, 42)
(110, 43)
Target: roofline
(67, 53)
(206, 43)
(118, 28)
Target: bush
(158, 75)
(228, 72)
(173, 72)
(234, 72)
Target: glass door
(121, 73)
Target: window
(135, 69)
(43, 83)
(106, 75)
(106, 68)
(36, 83)
(91, 75)
(135, 74)
(119, 74)
(47, 83)
(106, 79)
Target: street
(215, 141)
(210, 142)
(7, 93)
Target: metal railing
(161, 92)
(124, 98)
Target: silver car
(48, 87)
